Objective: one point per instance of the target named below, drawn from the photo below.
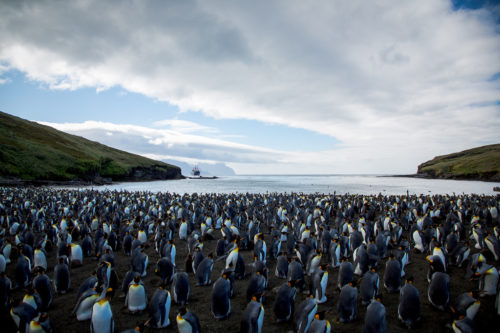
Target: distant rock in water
(31, 153)
(482, 163)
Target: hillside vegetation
(31, 151)
(482, 163)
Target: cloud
(390, 80)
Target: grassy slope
(32, 151)
(482, 163)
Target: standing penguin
(346, 274)
(284, 302)
(101, 320)
(347, 305)
(319, 283)
(304, 314)
(136, 299)
(22, 314)
(5, 287)
(85, 303)
(375, 321)
(22, 271)
(76, 257)
(187, 321)
(253, 316)
(165, 269)
(256, 285)
(41, 324)
(320, 324)
(368, 288)
(42, 284)
(409, 305)
(281, 270)
(296, 273)
(62, 279)
(40, 258)
(181, 289)
(488, 280)
(159, 307)
(438, 291)
(140, 262)
(221, 304)
(392, 275)
(204, 272)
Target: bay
(324, 184)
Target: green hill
(33, 152)
(482, 163)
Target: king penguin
(409, 305)
(221, 304)
(159, 307)
(181, 289)
(368, 288)
(136, 299)
(62, 279)
(101, 320)
(304, 314)
(187, 321)
(253, 316)
(319, 284)
(465, 305)
(347, 305)
(204, 271)
(320, 324)
(375, 321)
(85, 303)
(284, 302)
(438, 291)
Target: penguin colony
(102, 261)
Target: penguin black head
(320, 315)
(183, 310)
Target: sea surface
(325, 184)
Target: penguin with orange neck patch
(101, 320)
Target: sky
(265, 87)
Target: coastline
(448, 177)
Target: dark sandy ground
(199, 301)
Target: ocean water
(325, 184)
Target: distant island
(31, 153)
(481, 163)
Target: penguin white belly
(76, 253)
(183, 231)
(3, 263)
(102, 318)
(40, 259)
(136, 298)
(184, 326)
(232, 258)
(323, 284)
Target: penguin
(87, 246)
(392, 275)
(346, 274)
(197, 258)
(22, 314)
(40, 258)
(304, 314)
(438, 291)
(85, 303)
(313, 263)
(159, 307)
(165, 269)
(136, 299)
(320, 324)
(284, 302)
(33, 298)
(488, 280)
(62, 279)
(129, 277)
(204, 271)
(409, 305)
(347, 306)
(493, 245)
(319, 284)
(76, 257)
(232, 257)
(183, 230)
(334, 253)
(3, 263)
(281, 269)
(41, 324)
(101, 320)
(375, 321)
(460, 254)
(435, 265)
(420, 243)
(296, 273)
(181, 289)
(140, 262)
(5, 287)
(465, 305)
(476, 262)
(368, 288)
(22, 271)
(104, 274)
(187, 321)
(42, 284)
(361, 260)
(220, 302)
(464, 325)
(253, 316)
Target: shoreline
(426, 176)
